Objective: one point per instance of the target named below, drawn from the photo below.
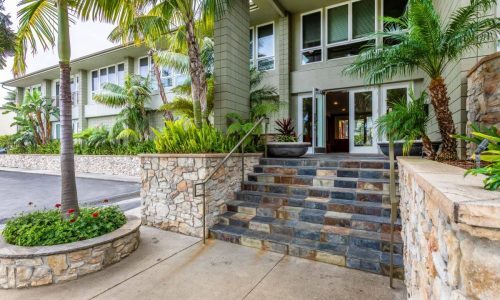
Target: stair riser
(322, 182)
(378, 267)
(349, 164)
(311, 192)
(346, 173)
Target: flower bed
(22, 267)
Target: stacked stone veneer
(483, 95)
(22, 267)
(451, 232)
(168, 189)
(97, 164)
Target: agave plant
(286, 130)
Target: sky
(86, 38)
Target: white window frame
(98, 70)
(252, 46)
(393, 86)
(256, 46)
(74, 126)
(139, 64)
(320, 47)
(175, 75)
(350, 39)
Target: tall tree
(7, 36)
(421, 40)
(46, 23)
(183, 19)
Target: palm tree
(132, 121)
(45, 23)
(421, 40)
(7, 36)
(155, 22)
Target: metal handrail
(222, 162)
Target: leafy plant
(182, 136)
(286, 131)
(407, 121)
(491, 155)
(132, 121)
(421, 40)
(45, 228)
(5, 141)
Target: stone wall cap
(56, 155)
(482, 61)
(463, 199)
(196, 155)
(9, 251)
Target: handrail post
(266, 124)
(204, 217)
(392, 193)
(242, 166)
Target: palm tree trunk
(156, 69)
(69, 199)
(440, 102)
(427, 147)
(198, 78)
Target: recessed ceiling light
(335, 103)
(343, 109)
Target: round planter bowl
(416, 149)
(277, 149)
(22, 267)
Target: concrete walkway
(174, 266)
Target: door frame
(375, 114)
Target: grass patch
(45, 228)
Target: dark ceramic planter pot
(276, 149)
(416, 149)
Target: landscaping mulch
(464, 164)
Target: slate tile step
(375, 163)
(324, 171)
(333, 235)
(350, 256)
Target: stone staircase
(334, 209)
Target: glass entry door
(312, 122)
(363, 111)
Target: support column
(232, 76)
(46, 88)
(129, 65)
(283, 56)
(20, 95)
(83, 93)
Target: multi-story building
(88, 75)
(303, 46)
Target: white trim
(256, 46)
(392, 86)
(320, 47)
(363, 149)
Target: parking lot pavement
(24, 192)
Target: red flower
(58, 205)
(70, 211)
(95, 214)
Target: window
(167, 77)
(112, 74)
(251, 47)
(56, 129)
(311, 38)
(348, 26)
(265, 47)
(393, 9)
(144, 67)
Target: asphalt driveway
(23, 192)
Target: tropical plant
(5, 141)
(182, 136)
(176, 20)
(286, 131)
(7, 36)
(32, 118)
(491, 155)
(421, 40)
(264, 99)
(45, 23)
(132, 121)
(407, 121)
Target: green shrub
(45, 228)
(182, 136)
(5, 141)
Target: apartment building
(88, 75)
(304, 46)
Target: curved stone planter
(22, 267)
(283, 149)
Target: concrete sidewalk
(174, 266)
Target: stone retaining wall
(451, 232)
(22, 267)
(121, 165)
(167, 193)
